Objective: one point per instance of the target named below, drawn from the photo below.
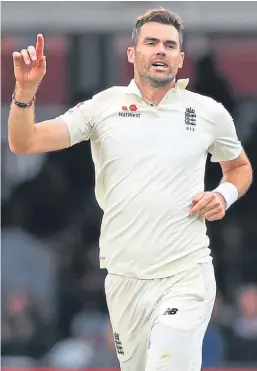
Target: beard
(156, 81)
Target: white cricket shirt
(149, 163)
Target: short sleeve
(79, 121)
(226, 145)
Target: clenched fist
(210, 205)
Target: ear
(131, 54)
(182, 56)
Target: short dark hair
(162, 16)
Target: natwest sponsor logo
(129, 111)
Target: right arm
(24, 135)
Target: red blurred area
(237, 57)
(110, 369)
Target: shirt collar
(180, 85)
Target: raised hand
(30, 65)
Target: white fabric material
(229, 192)
(148, 337)
(149, 163)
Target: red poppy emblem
(133, 107)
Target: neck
(153, 94)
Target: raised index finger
(40, 46)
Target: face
(157, 55)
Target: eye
(151, 43)
(171, 46)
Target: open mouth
(160, 64)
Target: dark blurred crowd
(54, 311)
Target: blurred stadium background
(53, 305)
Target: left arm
(238, 172)
(236, 169)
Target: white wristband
(229, 192)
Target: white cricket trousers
(159, 324)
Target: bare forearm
(241, 177)
(21, 120)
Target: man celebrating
(149, 143)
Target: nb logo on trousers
(170, 311)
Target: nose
(161, 50)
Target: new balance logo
(170, 311)
(129, 111)
(118, 344)
(190, 119)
